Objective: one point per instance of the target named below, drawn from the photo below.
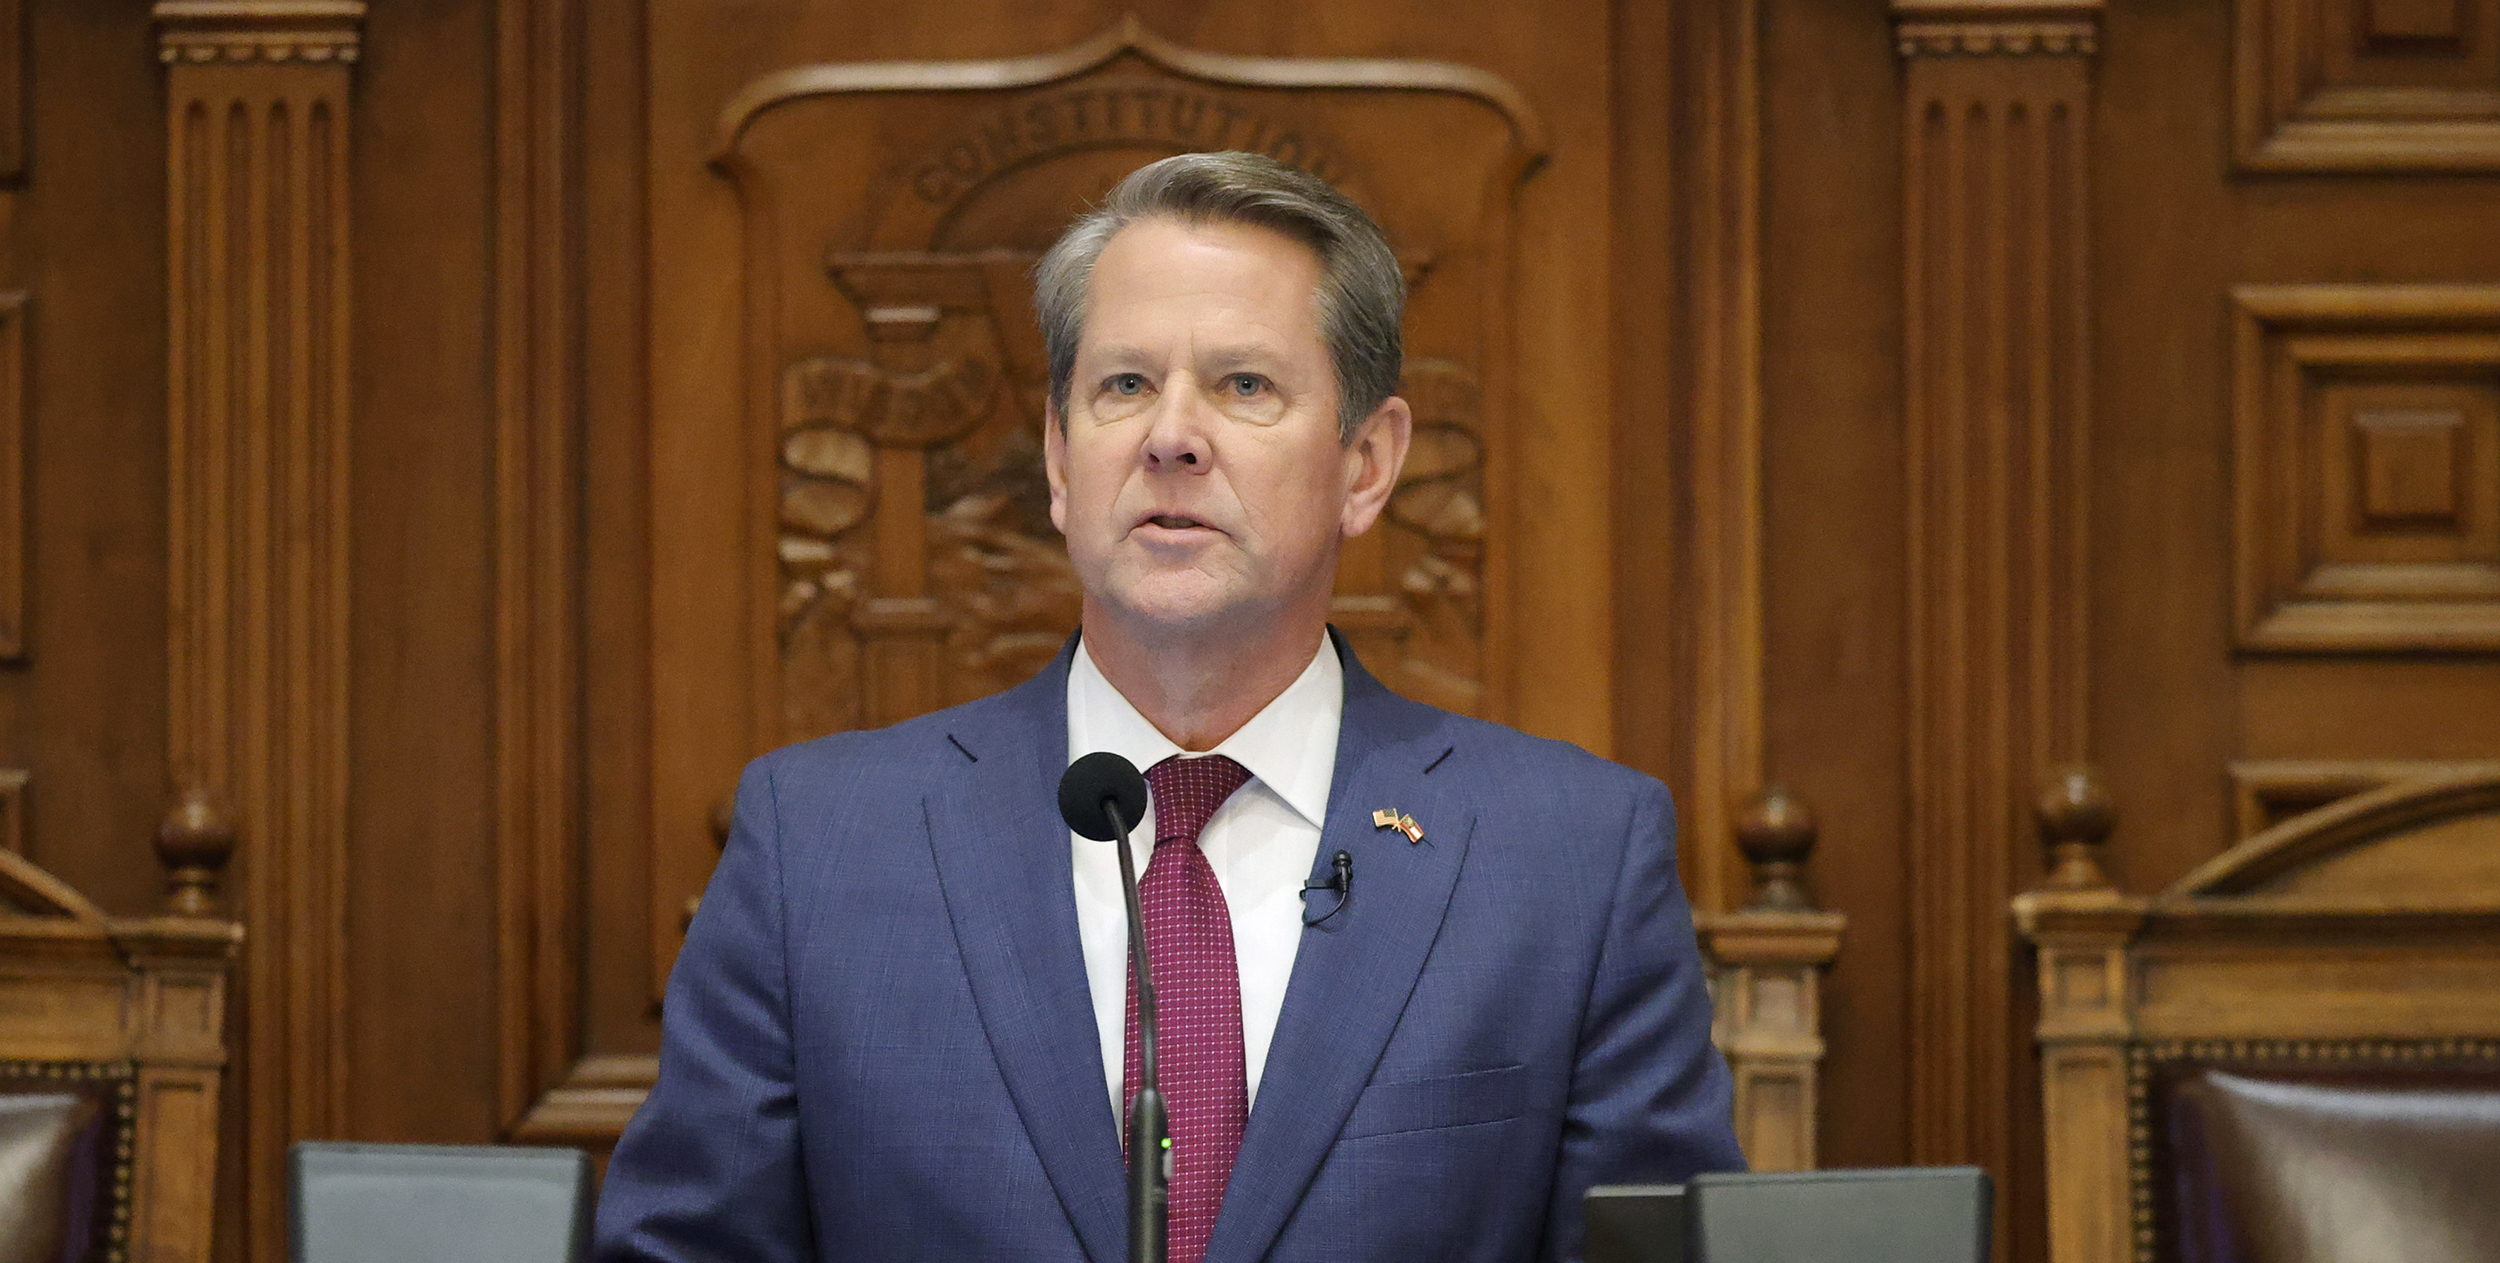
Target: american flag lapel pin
(1385, 818)
(1413, 831)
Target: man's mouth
(1175, 522)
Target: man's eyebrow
(1245, 355)
(1117, 352)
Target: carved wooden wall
(1890, 399)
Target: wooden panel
(2338, 991)
(257, 168)
(87, 240)
(2368, 451)
(12, 90)
(1688, 547)
(2367, 85)
(2267, 792)
(1994, 167)
(422, 1039)
(1835, 688)
(12, 470)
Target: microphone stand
(1149, 1140)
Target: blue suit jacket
(879, 1043)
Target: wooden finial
(1776, 833)
(194, 843)
(2075, 818)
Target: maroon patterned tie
(1189, 942)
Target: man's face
(1200, 480)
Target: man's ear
(1055, 463)
(1373, 459)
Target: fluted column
(1995, 160)
(257, 430)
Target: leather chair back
(2273, 1167)
(55, 1165)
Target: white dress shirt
(1261, 843)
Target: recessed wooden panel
(2407, 466)
(2391, 25)
(2369, 467)
(2368, 85)
(2267, 792)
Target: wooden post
(2081, 926)
(176, 1023)
(1766, 965)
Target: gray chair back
(359, 1203)
(1880, 1215)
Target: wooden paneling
(12, 472)
(422, 877)
(2367, 85)
(86, 239)
(12, 89)
(1997, 402)
(257, 214)
(1771, 450)
(2267, 792)
(2368, 461)
(1835, 696)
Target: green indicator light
(1167, 1142)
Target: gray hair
(1362, 292)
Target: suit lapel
(1352, 976)
(1003, 867)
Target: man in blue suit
(1423, 979)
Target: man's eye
(1126, 384)
(1244, 384)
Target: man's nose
(1181, 439)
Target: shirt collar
(1290, 745)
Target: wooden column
(257, 430)
(1766, 966)
(538, 474)
(2081, 927)
(1995, 163)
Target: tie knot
(1187, 791)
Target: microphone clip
(1340, 880)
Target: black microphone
(1100, 796)
(1340, 880)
